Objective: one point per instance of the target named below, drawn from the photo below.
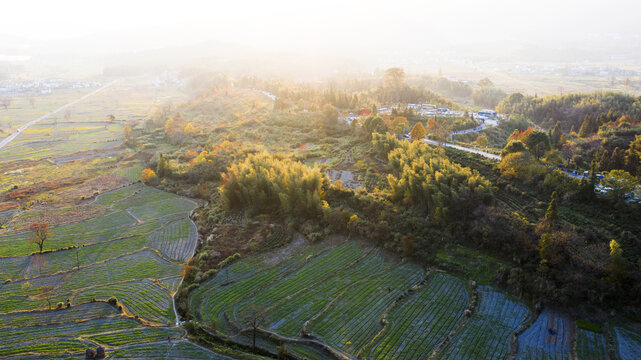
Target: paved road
(471, 150)
(24, 127)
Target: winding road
(24, 127)
(463, 148)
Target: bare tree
(253, 317)
(67, 115)
(46, 292)
(32, 102)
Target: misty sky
(119, 25)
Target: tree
(485, 82)
(552, 214)
(330, 115)
(555, 135)
(394, 78)
(46, 292)
(130, 138)
(588, 127)
(633, 157)
(67, 115)
(400, 124)
(111, 117)
(189, 129)
(253, 317)
(481, 140)
(418, 131)
(148, 176)
(32, 102)
(39, 234)
(537, 143)
(437, 130)
(163, 168)
(621, 182)
(618, 265)
(514, 146)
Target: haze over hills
(320, 180)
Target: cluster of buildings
(42, 86)
(428, 110)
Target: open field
(71, 156)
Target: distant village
(13, 88)
(426, 110)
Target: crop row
(628, 343)
(28, 333)
(419, 323)
(46, 346)
(177, 240)
(80, 312)
(143, 298)
(288, 317)
(548, 337)
(141, 265)
(161, 208)
(487, 333)
(136, 336)
(164, 350)
(590, 345)
(316, 270)
(354, 318)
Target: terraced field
(487, 333)
(627, 343)
(133, 251)
(549, 337)
(590, 345)
(422, 320)
(353, 300)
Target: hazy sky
(319, 23)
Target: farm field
(590, 345)
(549, 337)
(354, 300)
(132, 250)
(627, 343)
(422, 320)
(487, 333)
(77, 152)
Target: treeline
(442, 85)
(570, 110)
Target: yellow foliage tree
(418, 131)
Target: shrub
(113, 301)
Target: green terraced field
(143, 298)
(487, 333)
(422, 320)
(136, 336)
(134, 251)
